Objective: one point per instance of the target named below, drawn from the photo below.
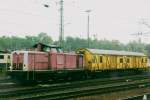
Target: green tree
(44, 38)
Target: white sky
(109, 19)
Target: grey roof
(115, 52)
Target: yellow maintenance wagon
(96, 59)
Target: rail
(74, 89)
(138, 97)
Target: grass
(2, 73)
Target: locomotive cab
(23, 60)
(47, 48)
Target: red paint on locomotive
(70, 61)
(35, 60)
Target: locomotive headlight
(25, 67)
(10, 68)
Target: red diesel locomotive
(44, 63)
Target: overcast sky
(109, 19)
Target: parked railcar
(5, 60)
(95, 59)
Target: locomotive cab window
(1, 56)
(59, 50)
(8, 57)
(121, 60)
(100, 59)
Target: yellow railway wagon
(96, 59)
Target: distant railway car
(95, 59)
(5, 60)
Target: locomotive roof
(115, 52)
(23, 51)
(45, 45)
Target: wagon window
(100, 59)
(128, 60)
(121, 60)
(94, 59)
(145, 60)
(142, 60)
(1, 56)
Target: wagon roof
(115, 52)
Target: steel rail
(61, 87)
(29, 90)
(138, 97)
(77, 92)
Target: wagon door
(144, 62)
(101, 60)
(127, 63)
(119, 62)
(108, 62)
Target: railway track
(4, 79)
(74, 89)
(77, 92)
(6, 83)
(138, 97)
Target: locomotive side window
(121, 60)
(100, 59)
(1, 56)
